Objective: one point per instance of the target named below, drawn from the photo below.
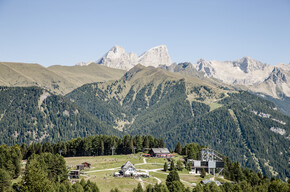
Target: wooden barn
(86, 164)
(160, 152)
(80, 167)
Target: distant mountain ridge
(117, 58)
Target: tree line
(94, 146)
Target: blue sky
(65, 32)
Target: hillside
(57, 79)
(181, 108)
(33, 114)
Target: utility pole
(113, 148)
(134, 150)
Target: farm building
(74, 174)
(86, 164)
(80, 167)
(160, 152)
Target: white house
(128, 169)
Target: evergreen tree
(139, 188)
(115, 190)
(172, 166)
(179, 165)
(178, 149)
(165, 167)
(5, 181)
(203, 173)
(198, 188)
(172, 176)
(35, 178)
(176, 186)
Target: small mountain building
(86, 164)
(80, 167)
(128, 169)
(74, 174)
(160, 152)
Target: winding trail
(145, 170)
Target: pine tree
(178, 149)
(179, 165)
(165, 167)
(172, 176)
(203, 173)
(139, 188)
(172, 166)
(5, 180)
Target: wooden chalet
(80, 167)
(160, 152)
(86, 164)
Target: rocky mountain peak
(117, 57)
(277, 76)
(247, 64)
(155, 56)
(206, 67)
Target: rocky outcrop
(118, 58)
(155, 56)
(245, 71)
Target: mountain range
(227, 106)
(270, 82)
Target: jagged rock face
(248, 64)
(245, 71)
(276, 84)
(185, 68)
(277, 76)
(118, 58)
(155, 57)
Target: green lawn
(149, 166)
(105, 180)
(103, 162)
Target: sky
(65, 32)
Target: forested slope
(33, 114)
(176, 108)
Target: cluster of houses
(128, 169)
(210, 162)
(75, 174)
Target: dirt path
(142, 183)
(158, 180)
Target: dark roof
(160, 150)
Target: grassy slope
(106, 181)
(58, 79)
